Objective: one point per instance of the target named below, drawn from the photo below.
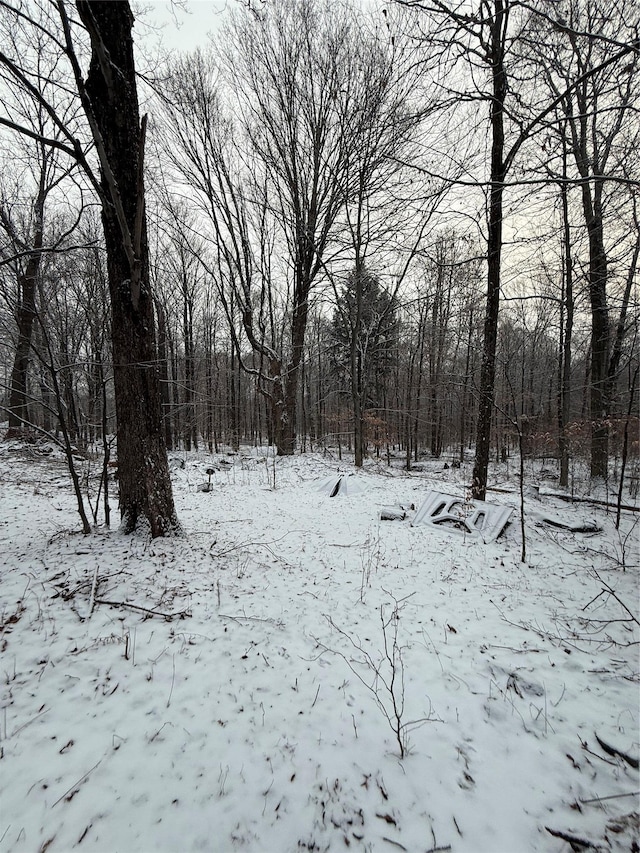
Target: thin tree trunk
(494, 249)
(566, 337)
(25, 316)
(163, 366)
(625, 446)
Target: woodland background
(403, 228)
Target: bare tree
(320, 115)
(304, 94)
(32, 172)
(109, 99)
(598, 102)
(489, 37)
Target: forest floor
(294, 674)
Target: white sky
(183, 25)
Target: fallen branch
(277, 622)
(179, 613)
(575, 499)
(563, 496)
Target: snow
(248, 711)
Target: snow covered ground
(254, 685)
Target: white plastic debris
(341, 484)
(479, 519)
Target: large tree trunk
(599, 340)
(286, 429)
(145, 486)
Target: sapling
(369, 557)
(387, 685)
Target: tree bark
(599, 335)
(566, 333)
(163, 364)
(286, 429)
(494, 249)
(145, 486)
(25, 316)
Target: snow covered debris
(473, 518)
(341, 484)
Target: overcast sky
(184, 25)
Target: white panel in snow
(341, 484)
(479, 519)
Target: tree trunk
(163, 365)
(494, 249)
(465, 387)
(355, 357)
(25, 315)
(286, 428)
(599, 347)
(566, 337)
(190, 436)
(286, 416)
(145, 486)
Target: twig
(611, 592)
(595, 754)
(92, 597)
(387, 684)
(572, 839)
(610, 797)
(173, 679)
(612, 750)
(28, 723)
(180, 613)
(544, 635)
(439, 849)
(395, 843)
(258, 544)
(595, 598)
(238, 619)
(79, 782)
